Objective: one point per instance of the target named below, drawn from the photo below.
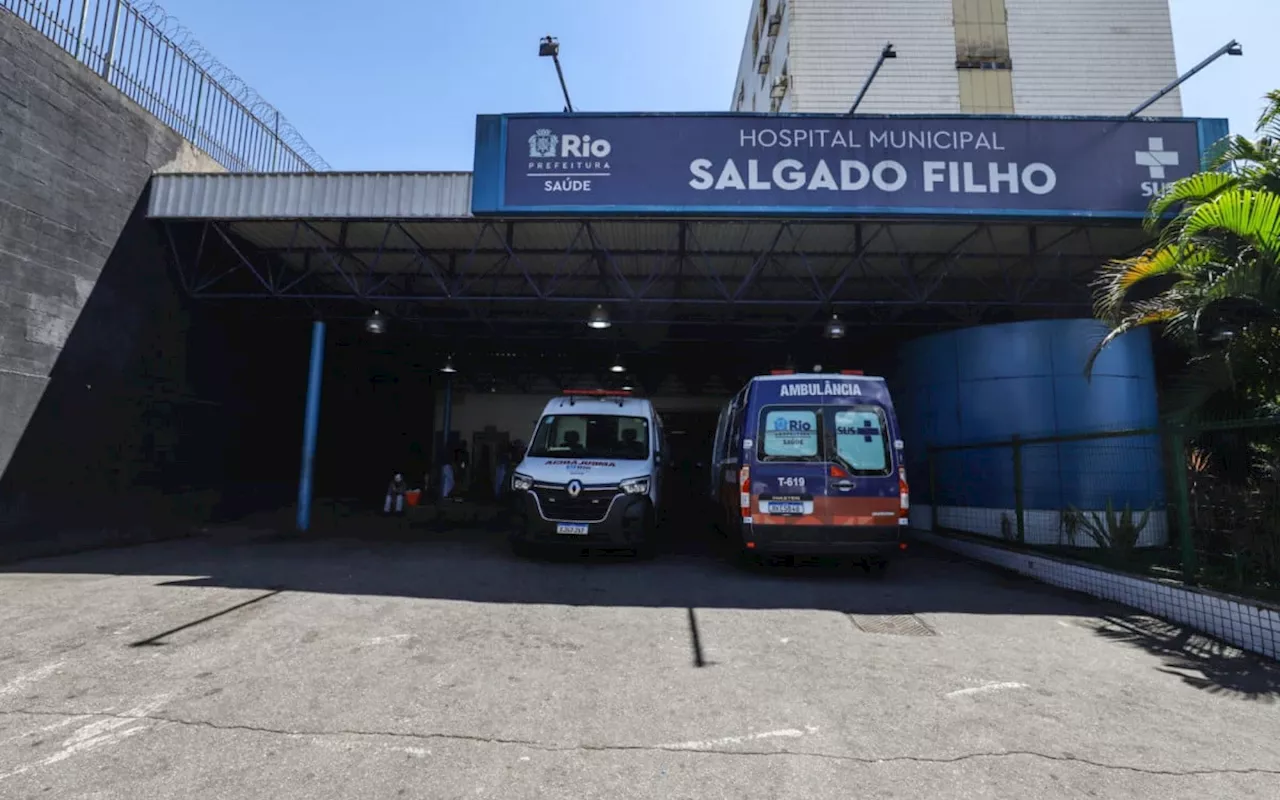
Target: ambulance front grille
(592, 505)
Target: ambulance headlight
(635, 486)
(521, 483)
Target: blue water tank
(990, 383)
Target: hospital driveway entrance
(339, 668)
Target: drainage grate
(892, 624)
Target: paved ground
(447, 669)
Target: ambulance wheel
(647, 547)
(749, 560)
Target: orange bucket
(411, 497)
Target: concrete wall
(107, 430)
(159, 413)
(75, 156)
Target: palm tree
(1211, 281)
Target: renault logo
(575, 488)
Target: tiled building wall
(1028, 57)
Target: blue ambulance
(812, 464)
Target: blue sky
(396, 84)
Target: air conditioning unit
(763, 68)
(779, 89)
(775, 22)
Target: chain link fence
(147, 55)
(1199, 504)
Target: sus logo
(1155, 158)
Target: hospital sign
(805, 165)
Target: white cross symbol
(1155, 158)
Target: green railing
(1195, 503)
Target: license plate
(571, 529)
(785, 509)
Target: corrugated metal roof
(318, 195)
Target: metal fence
(1198, 504)
(159, 65)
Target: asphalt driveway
(430, 665)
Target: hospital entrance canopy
(691, 228)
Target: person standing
(500, 476)
(446, 481)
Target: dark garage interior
(180, 394)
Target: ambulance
(812, 464)
(592, 475)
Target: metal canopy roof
(340, 245)
(316, 195)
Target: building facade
(1027, 57)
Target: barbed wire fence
(159, 64)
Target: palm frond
(1240, 151)
(1252, 281)
(1201, 187)
(1249, 215)
(1211, 280)
(1204, 377)
(1118, 279)
(1270, 116)
(1193, 190)
(1151, 314)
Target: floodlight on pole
(549, 47)
(885, 54)
(1231, 48)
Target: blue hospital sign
(582, 163)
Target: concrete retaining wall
(75, 157)
(126, 412)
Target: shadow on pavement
(1200, 661)
(391, 558)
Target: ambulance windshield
(591, 436)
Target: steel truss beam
(312, 267)
(502, 289)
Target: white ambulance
(592, 474)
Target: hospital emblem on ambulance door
(542, 144)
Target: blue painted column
(310, 423)
(446, 421)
